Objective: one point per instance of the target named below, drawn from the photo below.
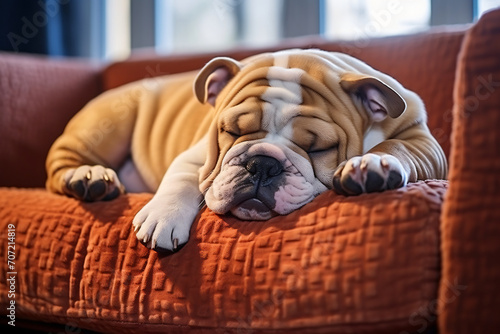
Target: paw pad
(369, 173)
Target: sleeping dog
(258, 138)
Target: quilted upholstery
(471, 217)
(366, 264)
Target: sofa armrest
(37, 98)
(470, 222)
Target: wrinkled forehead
(278, 83)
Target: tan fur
(154, 120)
(284, 127)
(410, 139)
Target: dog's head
(282, 124)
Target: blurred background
(111, 30)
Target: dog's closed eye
(324, 150)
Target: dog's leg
(410, 156)
(82, 161)
(164, 223)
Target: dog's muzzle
(265, 175)
(258, 182)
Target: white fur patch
(299, 188)
(283, 95)
(373, 137)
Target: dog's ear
(214, 77)
(378, 98)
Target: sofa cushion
(364, 264)
(471, 214)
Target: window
(485, 5)
(359, 19)
(209, 25)
(113, 29)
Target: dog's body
(274, 131)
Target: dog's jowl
(256, 138)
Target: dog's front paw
(162, 227)
(369, 173)
(92, 183)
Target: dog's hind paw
(92, 183)
(369, 173)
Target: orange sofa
(413, 260)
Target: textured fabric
(80, 263)
(471, 214)
(33, 112)
(364, 264)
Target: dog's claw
(176, 244)
(384, 163)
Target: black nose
(264, 168)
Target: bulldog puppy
(270, 134)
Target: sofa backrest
(423, 62)
(38, 96)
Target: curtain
(52, 27)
